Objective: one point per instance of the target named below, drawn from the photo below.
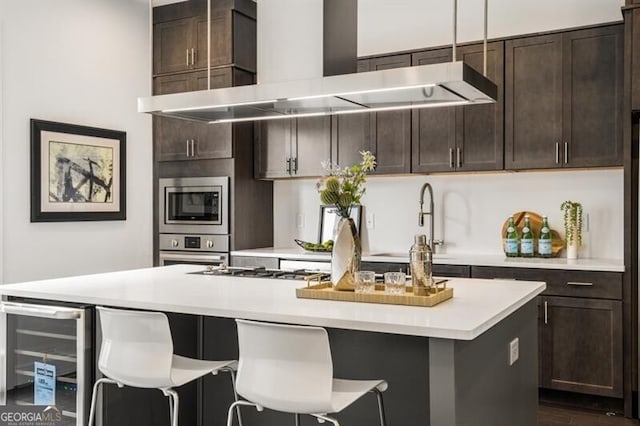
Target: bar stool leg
(236, 406)
(297, 419)
(170, 408)
(94, 397)
(322, 419)
(235, 394)
(173, 395)
(383, 420)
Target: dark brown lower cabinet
(581, 345)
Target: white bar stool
(137, 351)
(289, 368)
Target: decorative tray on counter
(313, 247)
(324, 290)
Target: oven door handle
(52, 312)
(191, 257)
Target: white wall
(394, 25)
(83, 62)
(469, 209)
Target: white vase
(346, 254)
(572, 251)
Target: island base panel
(472, 382)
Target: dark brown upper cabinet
(351, 133)
(187, 140)
(564, 100)
(468, 138)
(180, 36)
(390, 136)
(292, 147)
(386, 134)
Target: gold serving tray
(324, 290)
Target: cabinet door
(312, 144)
(172, 43)
(172, 136)
(351, 133)
(533, 102)
(273, 148)
(581, 345)
(391, 130)
(635, 58)
(433, 129)
(221, 49)
(213, 140)
(479, 128)
(592, 84)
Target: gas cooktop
(262, 272)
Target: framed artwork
(329, 218)
(77, 173)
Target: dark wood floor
(549, 415)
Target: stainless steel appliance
(48, 358)
(197, 249)
(194, 205)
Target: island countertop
(477, 305)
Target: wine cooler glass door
(43, 360)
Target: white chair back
(137, 349)
(285, 367)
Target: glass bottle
(511, 239)
(545, 242)
(526, 241)
(421, 258)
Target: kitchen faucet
(432, 242)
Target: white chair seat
(346, 392)
(185, 370)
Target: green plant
(344, 187)
(572, 212)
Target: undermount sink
(436, 256)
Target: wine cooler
(46, 358)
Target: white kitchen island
(446, 365)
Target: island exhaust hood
(338, 89)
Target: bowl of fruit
(327, 246)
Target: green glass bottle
(545, 242)
(511, 239)
(526, 241)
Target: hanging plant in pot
(343, 188)
(572, 212)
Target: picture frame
(329, 218)
(78, 173)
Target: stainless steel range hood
(436, 85)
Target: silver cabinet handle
(53, 312)
(193, 147)
(566, 153)
(557, 153)
(546, 313)
(187, 147)
(289, 165)
(577, 283)
(295, 164)
(188, 60)
(193, 56)
(458, 158)
(451, 158)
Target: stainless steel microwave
(194, 205)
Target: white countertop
(477, 304)
(610, 265)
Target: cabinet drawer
(601, 285)
(382, 267)
(454, 271)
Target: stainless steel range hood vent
(437, 85)
(453, 83)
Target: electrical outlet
(371, 221)
(300, 220)
(514, 351)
